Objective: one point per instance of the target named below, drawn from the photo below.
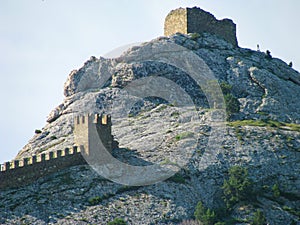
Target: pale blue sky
(42, 41)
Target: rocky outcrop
(78, 195)
(263, 136)
(266, 88)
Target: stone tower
(196, 20)
(90, 129)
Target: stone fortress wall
(196, 20)
(21, 172)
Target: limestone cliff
(261, 134)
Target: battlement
(21, 172)
(15, 164)
(101, 120)
(87, 129)
(196, 20)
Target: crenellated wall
(21, 172)
(18, 173)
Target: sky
(42, 41)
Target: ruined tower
(196, 20)
(89, 129)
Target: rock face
(262, 135)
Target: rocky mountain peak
(193, 101)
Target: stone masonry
(21, 172)
(90, 129)
(196, 20)
(87, 130)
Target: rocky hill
(164, 114)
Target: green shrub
(291, 210)
(232, 104)
(117, 221)
(226, 88)
(276, 191)
(194, 36)
(177, 178)
(205, 215)
(294, 222)
(37, 131)
(94, 200)
(53, 137)
(84, 220)
(258, 218)
(184, 135)
(237, 187)
(199, 211)
(175, 114)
